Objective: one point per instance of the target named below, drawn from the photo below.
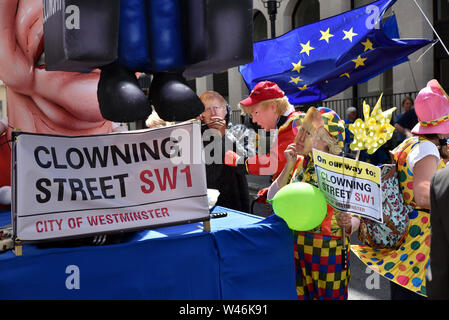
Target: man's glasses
(216, 109)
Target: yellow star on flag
(345, 75)
(368, 45)
(349, 34)
(295, 80)
(306, 48)
(304, 87)
(359, 62)
(325, 35)
(297, 66)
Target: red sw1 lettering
(164, 178)
(364, 198)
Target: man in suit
(438, 283)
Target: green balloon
(301, 205)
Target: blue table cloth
(243, 257)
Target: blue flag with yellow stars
(316, 61)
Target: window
(192, 84)
(221, 84)
(382, 83)
(305, 12)
(442, 10)
(444, 73)
(361, 3)
(441, 24)
(260, 27)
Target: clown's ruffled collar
(285, 118)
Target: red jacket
(273, 162)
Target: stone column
(205, 83)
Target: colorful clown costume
(321, 262)
(319, 254)
(406, 265)
(274, 161)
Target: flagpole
(343, 229)
(430, 24)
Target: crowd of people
(48, 102)
(321, 255)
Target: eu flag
(314, 62)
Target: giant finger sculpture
(38, 100)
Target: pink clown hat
(432, 110)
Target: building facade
(403, 80)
